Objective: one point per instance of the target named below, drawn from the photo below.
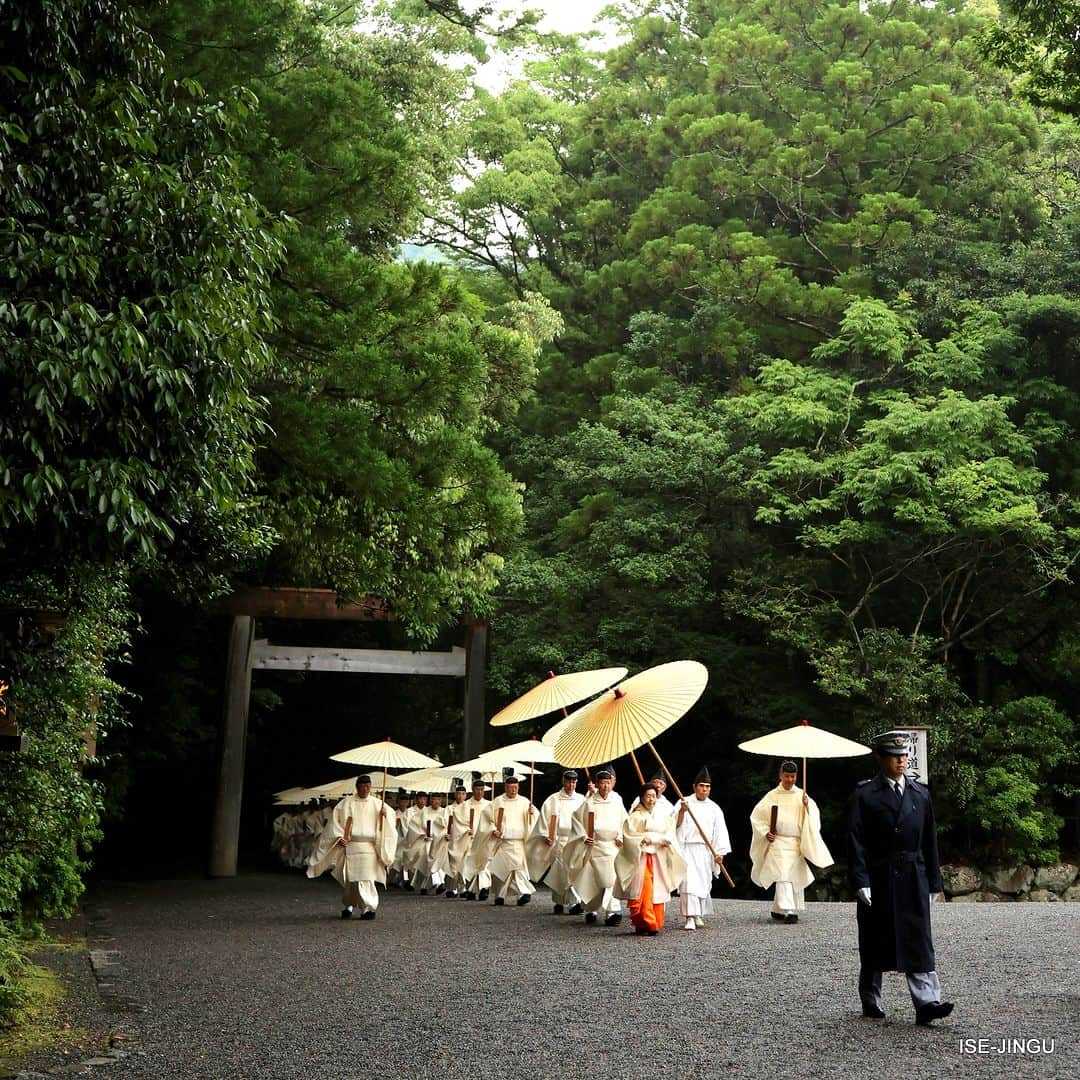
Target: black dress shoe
(777, 916)
(440, 889)
(524, 899)
(468, 896)
(423, 892)
(789, 919)
(499, 901)
(937, 1010)
(450, 894)
(872, 1012)
(577, 909)
(346, 912)
(590, 917)
(641, 931)
(613, 920)
(559, 909)
(369, 915)
(652, 933)
(408, 888)
(482, 894)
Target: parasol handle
(708, 844)
(637, 768)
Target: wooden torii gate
(246, 654)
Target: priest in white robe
(590, 852)
(648, 865)
(702, 865)
(452, 850)
(787, 836)
(546, 847)
(502, 843)
(477, 875)
(357, 846)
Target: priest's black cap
(658, 775)
(891, 742)
(603, 773)
(478, 783)
(569, 774)
(363, 778)
(459, 786)
(703, 776)
(788, 766)
(509, 776)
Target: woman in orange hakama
(648, 865)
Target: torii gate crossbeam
(247, 654)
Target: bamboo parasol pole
(718, 859)
(637, 768)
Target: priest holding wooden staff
(502, 842)
(546, 847)
(357, 846)
(453, 848)
(590, 852)
(786, 825)
(477, 876)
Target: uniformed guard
(895, 872)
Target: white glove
(864, 894)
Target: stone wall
(971, 883)
(1047, 883)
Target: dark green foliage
(809, 419)
(132, 299)
(61, 695)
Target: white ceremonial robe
(477, 875)
(648, 834)
(505, 854)
(783, 863)
(695, 890)
(452, 849)
(363, 862)
(425, 826)
(550, 859)
(591, 867)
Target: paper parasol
(631, 715)
(806, 742)
(557, 692)
(385, 755)
(530, 750)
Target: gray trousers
(924, 986)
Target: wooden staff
(773, 811)
(718, 859)
(552, 825)
(590, 830)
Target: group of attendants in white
(296, 832)
(592, 852)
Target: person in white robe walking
(590, 852)
(357, 846)
(546, 847)
(781, 848)
(695, 890)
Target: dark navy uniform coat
(893, 850)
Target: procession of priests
(595, 855)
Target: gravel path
(257, 977)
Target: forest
(747, 334)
